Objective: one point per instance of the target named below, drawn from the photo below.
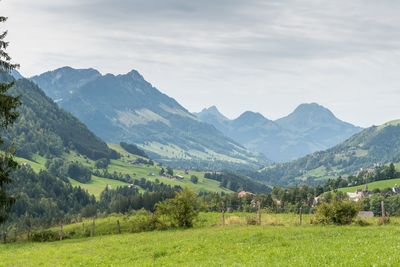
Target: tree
(194, 179)
(182, 210)
(8, 115)
(170, 171)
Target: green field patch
(97, 185)
(374, 185)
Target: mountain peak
(312, 108)
(211, 113)
(250, 117)
(135, 75)
(311, 116)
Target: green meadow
(123, 165)
(279, 241)
(374, 185)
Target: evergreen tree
(8, 115)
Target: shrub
(336, 212)
(45, 236)
(144, 221)
(362, 222)
(251, 220)
(181, 210)
(383, 220)
(79, 172)
(194, 179)
(102, 163)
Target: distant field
(97, 185)
(124, 166)
(219, 246)
(374, 185)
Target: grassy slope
(219, 246)
(374, 185)
(97, 185)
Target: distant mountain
(43, 128)
(373, 146)
(309, 128)
(126, 108)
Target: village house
(396, 189)
(242, 194)
(357, 196)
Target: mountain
(309, 128)
(318, 125)
(371, 147)
(42, 127)
(212, 116)
(127, 108)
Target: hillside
(44, 128)
(373, 146)
(384, 184)
(127, 108)
(309, 128)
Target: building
(357, 196)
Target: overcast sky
(262, 55)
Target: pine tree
(8, 115)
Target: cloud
(278, 53)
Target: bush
(79, 172)
(336, 212)
(144, 221)
(102, 163)
(383, 220)
(362, 222)
(194, 179)
(45, 236)
(181, 210)
(251, 220)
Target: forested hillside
(44, 128)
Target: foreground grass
(219, 246)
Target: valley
(104, 161)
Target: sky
(267, 56)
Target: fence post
(118, 227)
(259, 212)
(61, 232)
(223, 214)
(383, 209)
(301, 215)
(93, 232)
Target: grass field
(123, 165)
(374, 185)
(234, 245)
(97, 185)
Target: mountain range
(309, 128)
(127, 108)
